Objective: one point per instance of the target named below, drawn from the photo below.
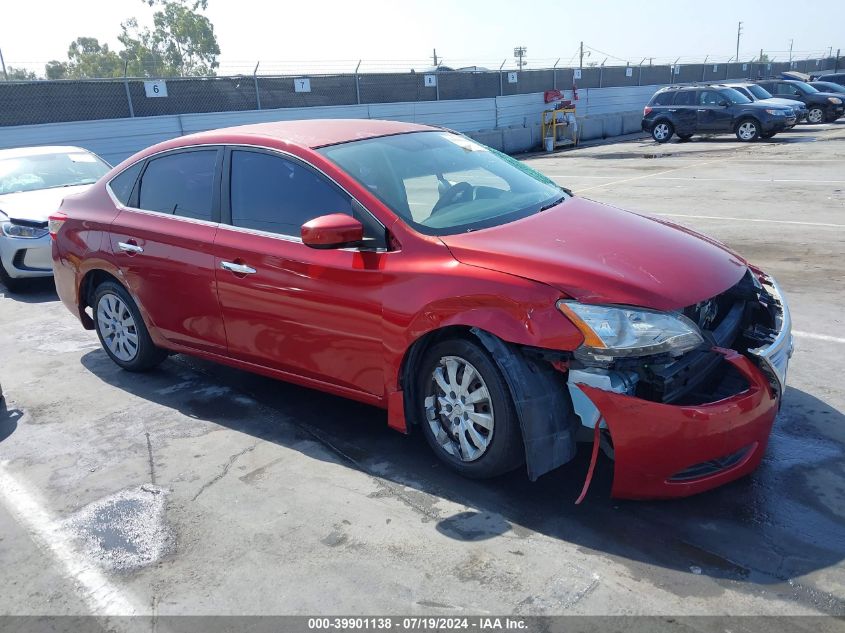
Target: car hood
(35, 206)
(783, 102)
(596, 253)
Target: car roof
(312, 133)
(20, 152)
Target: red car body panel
(601, 254)
(343, 321)
(653, 441)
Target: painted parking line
(659, 173)
(99, 594)
(764, 180)
(763, 220)
(818, 337)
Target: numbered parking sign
(576, 74)
(629, 72)
(155, 88)
(302, 85)
(430, 81)
(511, 78)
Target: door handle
(702, 109)
(241, 269)
(130, 248)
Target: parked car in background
(33, 181)
(411, 268)
(821, 106)
(837, 78)
(712, 109)
(828, 86)
(759, 94)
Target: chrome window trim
(273, 150)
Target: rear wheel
(662, 131)
(468, 416)
(122, 331)
(815, 115)
(748, 130)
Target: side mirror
(336, 230)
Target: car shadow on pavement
(8, 419)
(784, 521)
(41, 290)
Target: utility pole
(519, 53)
(761, 55)
(434, 56)
(738, 33)
(581, 63)
(790, 51)
(3, 64)
(836, 61)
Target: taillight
(646, 110)
(55, 222)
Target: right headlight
(612, 332)
(834, 100)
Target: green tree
(181, 43)
(20, 74)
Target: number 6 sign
(155, 88)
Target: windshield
(759, 92)
(734, 96)
(442, 183)
(825, 86)
(45, 171)
(804, 87)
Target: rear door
(313, 313)
(684, 111)
(713, 117)
(163, 242)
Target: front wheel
(121, 329)
(468, 415)
(662, 131)
(815, 115)
(748, 130)
(12, 285)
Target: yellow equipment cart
(560, 128)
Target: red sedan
(411, 268)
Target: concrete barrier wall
(510, 123)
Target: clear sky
(309, 35)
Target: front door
(713, 115)
(162, 242)
(314, 313)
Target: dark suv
(821, 106)
(688, 110)
(837, 78)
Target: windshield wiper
(552, 204)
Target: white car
(33, 182)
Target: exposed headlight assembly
(612, 332)
(11, 229)
(834, 100)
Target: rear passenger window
(180, 184)
(123, 184)
(685, 97)
(270, 193)
(662, 99)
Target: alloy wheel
(117, 327)
(747, 131)
(459, 409)
(661, 131)
(815, 116)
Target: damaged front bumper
(664, 450)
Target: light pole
(519, 53)
(738, 33)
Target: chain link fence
(37, 102)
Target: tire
(488, 449)
(12, 284)
(815, 115)
(662, 131)
(684, 137)
(748, 130)
(121, 329)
